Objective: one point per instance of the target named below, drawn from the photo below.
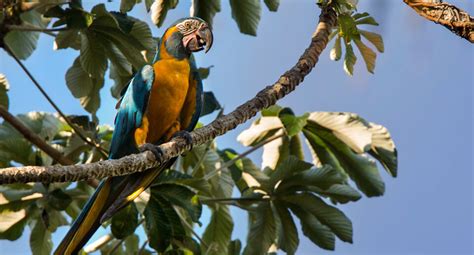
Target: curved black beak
(206, 37)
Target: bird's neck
(171, 46)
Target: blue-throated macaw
(161, 101)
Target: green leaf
(367, 21)
(296, 148)
(247, 15)
(322, 177)
(383, 148)
(291, 165)
(204, 72)
(125, 221)
(40, 239)
(93, 59)
(56, 219)
(219, 231)
(314, 230)
(293, 124)
(347, 127)
(336, 51)
(339, 192)
(131, 244)
(59, 200)
(234, 247)
(23, 43)
(67, 39)
(360, 15)
(360, 168)
(84, 87)
(4, 87)
(181, 196)
(326, 214)
(205, 9)
(273, 110)
(210, 103)
(368, 55)
(127, 5)
(262, 231)
(288, 235)
(160, 8)
(374, 38)
(272, 5)
(142, 33)
(349, 60)
(12, 224)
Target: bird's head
(186, 36)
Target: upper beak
(205, 34)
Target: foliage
(343, 147)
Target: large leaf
(288, 167)
(368, 55)
(319, 234)
(23, 43)
(67, 39)
(205, 9)
(181, 196)
(4, 87)
(262, 231)
(125, 221)
(347, 127)
(288, 235)
(349, 60)
(326, 214)
(210, 103)
(40, 239)
(160, 8)
(84, 87)
(247, 15)
(383, 148)
(127, 5)
(323, 178)
(259, 130)
(93, 60)
(218, 233)
(12, 224)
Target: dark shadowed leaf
(314, 230)
(181, 196)
(127, 5)
(262, 231)
(59, 200)
(247, 15)
(326, 214)
(272, 5)
(288, 235)
(218, 233)
(210, 103)
(234, 247)
(67, 39)
(125, 221)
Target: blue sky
(421, 91)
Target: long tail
(113, 194)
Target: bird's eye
(187, 25)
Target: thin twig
(231, 199)
(142, 249)
(43, 92)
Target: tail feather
(87, 222)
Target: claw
(185, 135)
(153, 148)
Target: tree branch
(38, 141)
(456, 20)
(146, 160)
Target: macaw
(162, 100)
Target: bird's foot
(185, 135)
(153, 148)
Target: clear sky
(421, 91)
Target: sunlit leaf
(4, 87)
(336, 51)
(368, 55)
(160, 8)
(374, 38)
(23, 43)
(383, 148)
(349, 60)
(40, 239)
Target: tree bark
(140, 162)
(456, 20)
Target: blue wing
(130, 113)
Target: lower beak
(206, 35)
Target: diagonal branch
(456, 20)
(38, 141)
(140, 162)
